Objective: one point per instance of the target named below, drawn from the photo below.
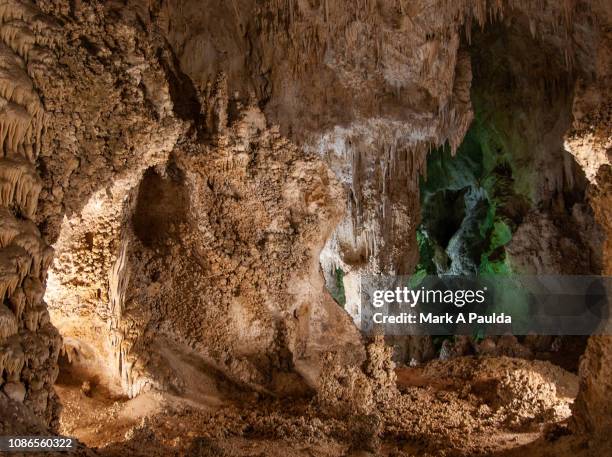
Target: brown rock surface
(203, 168)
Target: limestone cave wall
(203, 169)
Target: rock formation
(29, 342)
(214, 176)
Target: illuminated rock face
(197, 164)
(219, 262)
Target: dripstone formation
(215, 176)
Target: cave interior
(192, 191)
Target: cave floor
(465, 406)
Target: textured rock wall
(220, 265)
(255, 127)
(590, 141)
(110, 101)
(101, 129)
(348, 77)
(29, 343)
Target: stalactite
(23, 234)
(24, 35)
(33, 318)
(27, 192)
(9, 279)
(15, 122)
(8, 323)
(47, 258)
(19, 182)
(18, 36)
(18, 302)
(18, 260)
(34, 246)
(39, 59)
(13, 360)
(7, 191)
(21, 10)
(69, 351)
(10, 227)
(8, 59)
(17, 87)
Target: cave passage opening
(511, 199)
(470, 207)
(511, 168)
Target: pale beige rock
(15, 391)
